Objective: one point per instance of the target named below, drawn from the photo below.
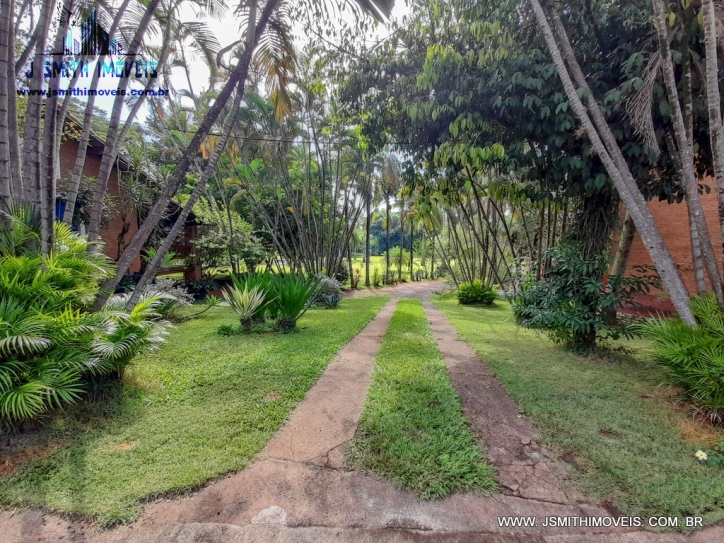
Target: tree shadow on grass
(67, 435)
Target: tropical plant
(264, 282)
(294, 295)
(476, 292)
(330, 301)
(376, 278)
(245, 303)
(693, 358)
(574, 302)
(51, 348)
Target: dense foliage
(476, 292)
(574, 302)
(694, 357)
(51, 347)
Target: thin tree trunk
(367, 240)
(237, 77)
(412, 238)
(87, 121)
(387, 252)
(617, 168)
(154, 265)
(110, 148)
(6, 9)
(16, 172)
(625, 241)
(713, 98)
(31, 140)
(687, 158)
(696, 259)
(48, 177)
(402, 245)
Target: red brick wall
(673, 223)
(68, 153)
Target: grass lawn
(412, 429)
(200, 407)
(633, 446)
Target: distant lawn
(412, 429)
(200, 407)
(607, 412)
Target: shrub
(327, 286)
(341, 274)
(476, 293)
(246, 303)
(331, 301)
(693, 358)
(51, 348)
(376, 278)
(574, 302)
(171, 296)
(294, 295)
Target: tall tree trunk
(625, 241)
(47, 186)
(432, 256)
(367, 240)
(16, 172)
(412, 237)
(87, 121)
(685, 152)
(617, 168)
(33, 113)
(111, 147)
(387, 233)
(237, 77)
(696, 258)
(713, 98)
(6, 12)
(179, 225)
(402, 245)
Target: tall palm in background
(390, 182)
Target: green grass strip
(607, 411)
(200, 407)
(412, 430)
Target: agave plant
(330, 301)
(264, 283)
(294, 296)
(246, 303)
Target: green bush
(693, 358)
(476, 293)
(294, 295)
(51, 348)
(575, 302)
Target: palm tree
(390, 176)
(271, 13)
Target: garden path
(298, 490)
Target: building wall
(673, 223)
(68, 153)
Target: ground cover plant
(200, 407)
(627, 443)
(693, 358)
(412, 429)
